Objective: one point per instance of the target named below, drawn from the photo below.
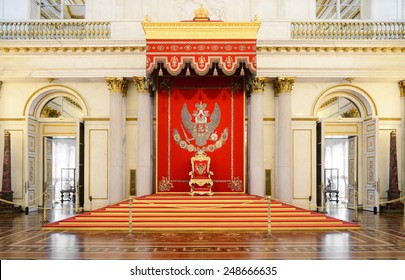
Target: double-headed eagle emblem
(200, 127)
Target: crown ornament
(201, 14)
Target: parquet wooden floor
(380, 237)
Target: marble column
(144, 144)
(402, 136)
(116, 185)
(283, 175)
(255, 133)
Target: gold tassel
(215, 71)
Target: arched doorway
(347, 155)
(55, 154)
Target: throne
(200, 175)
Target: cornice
(323, 49)
(77, 49)
(201, 30)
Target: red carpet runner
(199, 213)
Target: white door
(352, 172)
(33, 195)
(79, 184)
(370, 194)
(49, 188)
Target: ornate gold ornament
(200, 128)
(283, 85)
(236, 184)
(49, 112)
(401, 88)
(117, 85)
(142, 84)
(165, 185)
(258, 84)
(201, 14)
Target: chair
(200, 181)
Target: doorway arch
(357, 122)
(54, 112)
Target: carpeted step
(185, 213)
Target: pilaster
(256, 139)
(283, 176)
(118, 88)
(144, 135)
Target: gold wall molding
(283, 85)
(390, 119)
(90, 119)
(315, 49)
(400, 83)
(72, 50)
(12, 119)
(117, 85)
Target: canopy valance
(201, 46)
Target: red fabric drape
(224, 144)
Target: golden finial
(256, 18)
(146, 18)
(50, 80)
(201, 14)
(350, 79)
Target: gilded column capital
(402, 88)
(283, 85)
(142, 84)
(117, 85)
(258, 84)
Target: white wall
(383, 9)
(15, 9)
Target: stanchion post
(268, 216)
(130, 219)
(404, 217)
(356, 214)
(44, 220)
(91, 202)
(324, 200)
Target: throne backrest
(200, 164)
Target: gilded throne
(200, 175)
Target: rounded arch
(357, 95)
(41, 96)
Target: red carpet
(186, 213)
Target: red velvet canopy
(201, 45)
(201, 55)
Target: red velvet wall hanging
(200, 113)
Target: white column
(402, 142)
(283, 175)
(255, 140)
(116, 186)
(144, 135)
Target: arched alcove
(56, 96)
(344, 98)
